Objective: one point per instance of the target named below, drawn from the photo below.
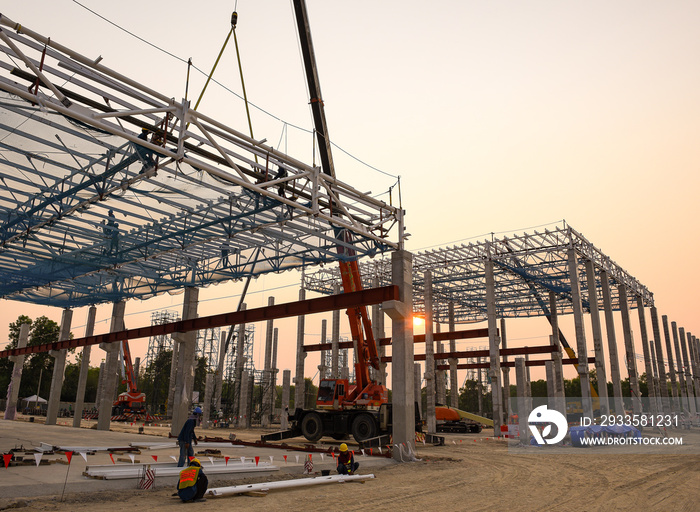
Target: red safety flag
(285, 459)
(6, 457)
(154, 457)
(69, 456)
(226, 459)
(256, 460)
(309, 456)
(111, 457)
(370, 451)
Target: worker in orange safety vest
(193, 482)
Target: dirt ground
(471, 472)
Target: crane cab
(332, 393)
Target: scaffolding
(208, 344)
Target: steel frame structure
(526, 268)
(91, 213)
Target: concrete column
(273, 374)
(417, 387)
(440, 383)
(506, 371)
(653, 383)
(527, 369)
(111, 367)
(549, 373)
(284, 417)
(681, 377)
(206, 406)
(219, 374)
(612, 344)
(601, 374)
(59, 368)
(559, 390)
(244, 416)
(479, 390)
(301, 355)
(84, 367)
(322, 368)
(695, 367)
(454, 384)
(401, 314)
(431, 422)
(554, 320)
(378, 330)
(629, 350)
(184, 379)
(655, 401)
(580, 335)
(335, 338)
(17, 366)
(688, 375)
(238, 369)
(523, 403)
(100, 385)
(671, 369)
(659, 352)
(267, 374)
(170, 406)
(494, 352)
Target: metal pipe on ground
(300, 482)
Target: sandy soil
(472, 472)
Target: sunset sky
(499, 117)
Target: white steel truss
(526, 267)
(93, 212)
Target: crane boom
(360, 324)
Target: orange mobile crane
(131, 401)
(361, 408)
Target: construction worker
(193, 482)
(346, 461)
(145, 154)
(187, 437)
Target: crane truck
(131, 401)
(361, 408)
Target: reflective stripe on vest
(188, 477)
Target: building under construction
(112, 191)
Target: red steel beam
(511, 364)
(289, 309)
(469, 354)
(418, 338)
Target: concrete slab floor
(48, 480)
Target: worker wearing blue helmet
(187, 437)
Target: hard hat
(343, 447)
(198, 410)
(195, 462)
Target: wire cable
(184, 61)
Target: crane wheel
(363, 427)
(312, 427)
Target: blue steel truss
(93, 212)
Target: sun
(418, 321)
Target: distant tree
(38, 368)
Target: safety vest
(188, 477)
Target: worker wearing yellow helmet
(346, 461)
(192, 483)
